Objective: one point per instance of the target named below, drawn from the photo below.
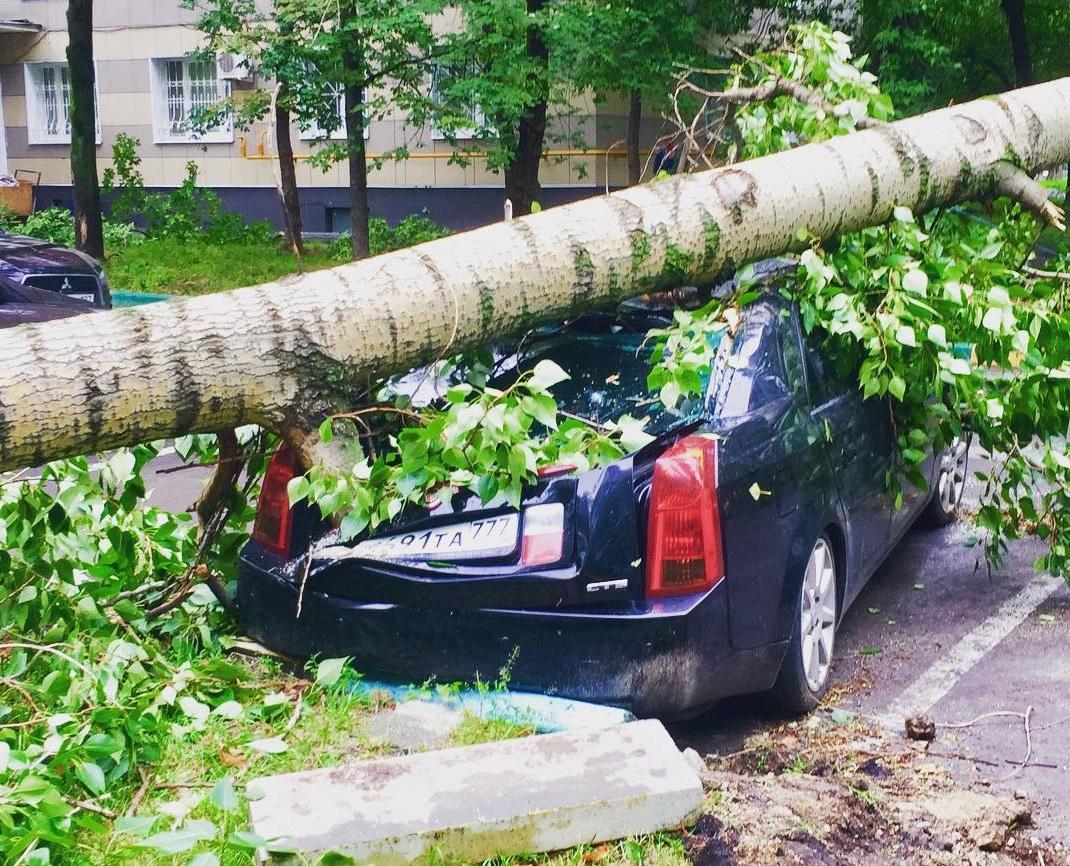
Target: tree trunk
(291, 201)
(353, 88)
(522, 172)
(88, 222)
(359, 211)
(1019, 35)
(635, 117)
(307, 347)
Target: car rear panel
(600, 545)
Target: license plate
(88, 297)
(476, 539)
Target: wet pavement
(934, 630)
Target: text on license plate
(88, 297)
(476, 539)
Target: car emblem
(66, 287)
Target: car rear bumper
(671, 660)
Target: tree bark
(359, 210)
(88, 222)
(635, 117)
(1014, 10)
(291, 200)
(353, 88)
(308, 347)
(522, 186)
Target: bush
(186, 213)
(57, 226)
(412, 230)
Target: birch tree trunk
(286, 354)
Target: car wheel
(804, 675)
(950, 482)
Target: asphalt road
(934, 632)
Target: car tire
(804, 673)
(942, 508)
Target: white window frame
(36, 109)
(314, 132)
(464, 133)
(163, 128)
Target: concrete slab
(528, 795)
(415, 725)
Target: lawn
(174, 267)
(170, 265)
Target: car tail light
(543, 538)
(273, 515)
(683, 549)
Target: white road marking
(922, 694)
(14, 478)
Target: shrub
(412, 230)
(57, 226)
(188, 212)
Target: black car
(20, 304)
(715, 561)
(43, 265)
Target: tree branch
(1011, 181)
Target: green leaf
(298, 488)
(546, 374)
(904, 335)
(993, 319)
(246, 840)
(937, 335)
(224, 796)
(268, 745)
(869, 651)
(135, 825)
(327, 430)
(353, 524)
(329, 671)
(916, 282)
(178, 841)
(897, 387)
(205, 858)
(90, 775)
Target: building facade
(147, 85)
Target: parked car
(22, 303)
(717, 560)
(43, 265)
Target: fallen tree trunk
(287, 354)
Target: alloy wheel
(952, 477)
(818, 615)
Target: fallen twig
(1026, 718)
(139, 795)
(92, 807)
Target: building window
(180, 88)
(467, 117)
(314, 132)
(48, 104)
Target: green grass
(172, 267)
(474, 729)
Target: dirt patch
(827, 794)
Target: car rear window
(609, 372)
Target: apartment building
(147, 85)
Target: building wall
(129, 33)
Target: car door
(773, 474)
(860, 445)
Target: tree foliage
(928, 54)
(889, 304)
